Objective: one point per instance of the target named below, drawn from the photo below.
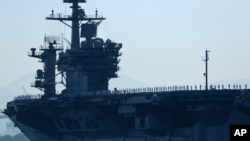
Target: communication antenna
(25, 90)
(206, 68)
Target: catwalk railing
(143, 90)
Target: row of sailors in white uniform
(139, 90)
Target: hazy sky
(163, 40)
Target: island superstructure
(86, 110)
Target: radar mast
(206, 68)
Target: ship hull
(208, 133)
(152, 116)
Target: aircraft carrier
(86, 110)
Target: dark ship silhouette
(88, 111)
